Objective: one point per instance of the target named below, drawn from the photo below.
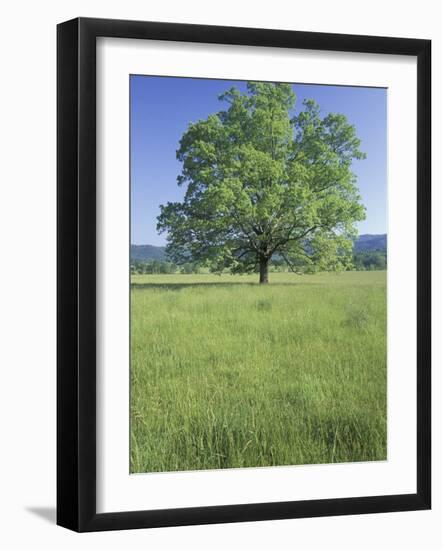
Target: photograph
(258, 274)
(227, 337)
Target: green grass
(226, 373)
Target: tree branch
(289, 263)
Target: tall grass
(226, 373)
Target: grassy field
(226, 373)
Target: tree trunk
(263, 270)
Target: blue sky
(162, 108)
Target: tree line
(157, 267)
(367, 260)
(370, 260)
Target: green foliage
(260, 182)
(152, 267)
(370, 260)
(226, 373)
(190, 267)
(156, 267)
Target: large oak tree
(262, 182)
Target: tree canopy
(261, 181)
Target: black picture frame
(76, 274)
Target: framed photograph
(243, 274)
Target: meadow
(227, 373)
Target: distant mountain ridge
(371, 242)
(146, 252)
